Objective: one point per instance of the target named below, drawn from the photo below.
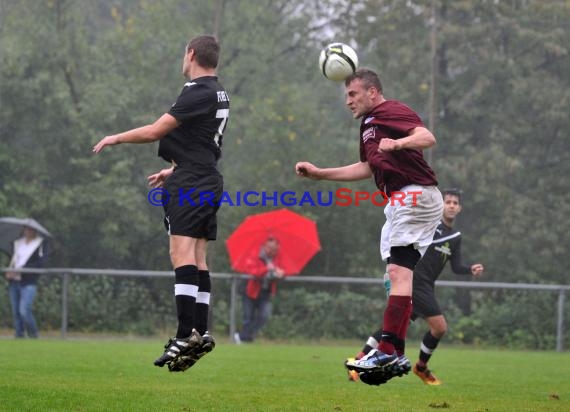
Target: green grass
(95, 375)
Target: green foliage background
(74, 71)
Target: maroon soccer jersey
(396, 169)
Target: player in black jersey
(190, 135)
(446, 246)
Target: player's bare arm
(420, 138)
(144, 134)
(355, 171)
(157, 179)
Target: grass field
(118, 375)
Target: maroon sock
(395, 315)
(401, 346)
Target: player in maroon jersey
(392, 137)
(445, 247)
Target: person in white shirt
(29, 251)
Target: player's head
(368, 77)
(363, 92)
(203, 51)
(453, 192)
(451, 204)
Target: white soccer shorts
(413, 222)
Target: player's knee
(178, 257)
(201, 252)
(439, 330)
(405, 256)
(174, 257)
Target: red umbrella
(297, 236)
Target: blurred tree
(72, 72)
(502, 78)
(92, 68)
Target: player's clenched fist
(307, 169)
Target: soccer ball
(337, 61)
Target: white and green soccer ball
(337, 61)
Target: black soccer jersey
(446, 246)
(202, 109)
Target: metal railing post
(233, 306)
(64, 304)
(560, 321)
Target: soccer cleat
(181, 363)
(374, 361)
(352, 375)
(403, 366)
(426, 376)
(376, 378)
(208, 344)
(176, 347)
(188, 360)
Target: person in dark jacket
(30, 251)
(446, 246)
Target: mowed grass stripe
(94, 375)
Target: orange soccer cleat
(426, 376)
(352, 375)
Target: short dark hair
(206, 49)
(368, 77)
(453, 192)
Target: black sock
(372, 342)
(203, 301)
(400, 346)
(185, 292)
(429, 343)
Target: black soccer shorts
(193, 202)
(424, 302)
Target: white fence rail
(234, 278)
